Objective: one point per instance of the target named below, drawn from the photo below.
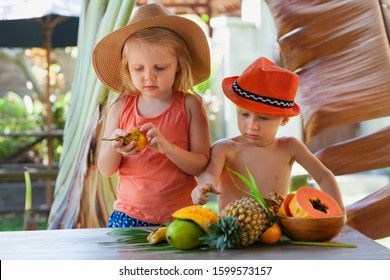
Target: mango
(199, 214)
(184, 234)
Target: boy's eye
(263, 118)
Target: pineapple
(225, 234)
(274, 201)
(242, 221)
(251, 217)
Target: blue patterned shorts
(121, 220)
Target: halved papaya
(284, 208)
(309, 202)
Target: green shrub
(18, 115)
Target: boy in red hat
(264, 94)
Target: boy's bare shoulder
(293, 144)
(223, 148)
(288, 140)
(224, 143)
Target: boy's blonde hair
(160, 37)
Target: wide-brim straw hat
(264, 88)
(107, 54)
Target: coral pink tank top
(151, 187)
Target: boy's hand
(199, 194)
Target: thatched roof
(210, 7)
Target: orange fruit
(138, 136)
(271, 235)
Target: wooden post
(47, 33)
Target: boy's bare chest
(265, 164)
(259, 157)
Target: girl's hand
(156, 140)
(117, 145)
(199, 194)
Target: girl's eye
(160, 68)
(263, 118)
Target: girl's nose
(150, 75)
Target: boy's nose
(253, 124)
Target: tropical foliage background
(28, 113)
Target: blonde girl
(153, 63)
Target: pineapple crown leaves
(254, 190)
(225, 234)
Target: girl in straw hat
(153, 63)
(264, 95)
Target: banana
(158, 235)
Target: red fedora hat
(264, 87)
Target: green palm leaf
(130, 231)
(254, 190)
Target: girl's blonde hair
(160, 37)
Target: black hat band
(261, 99)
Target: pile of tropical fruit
(240, 224)
(252, 218)
(244, 221)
